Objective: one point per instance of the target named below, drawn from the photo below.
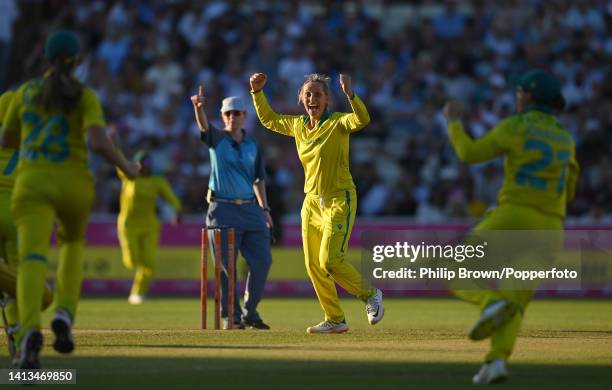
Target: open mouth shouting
(313, 108)
(314, 98)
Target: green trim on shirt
(324, 117)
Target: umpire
(237, 199)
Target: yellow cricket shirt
(539, 159)
(138, 199)
(323, 150)
(5, 101)
(51, 139)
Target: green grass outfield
(421, 344)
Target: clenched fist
(452, 110)
(347, 85)
(258, 80)
(132, 169)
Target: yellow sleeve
(5, 101)
(121, 175)
(572, 178)
(93, 115)
(11, 120)
(482, 149)
(283, 124)
(358, 119)
(166, 192)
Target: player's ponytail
(60, 90)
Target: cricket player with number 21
(540, 179)
(328, 212)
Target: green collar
(323, 118)
(539, 107)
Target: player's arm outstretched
(471, 150)
(359, 118)
(269, 119)
(101, 144)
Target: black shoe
(239, 325)
(256, 324)
(61, 326)
(30, 349)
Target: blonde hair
(315, 78)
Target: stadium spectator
(398, 53)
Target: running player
(328, 212)
(8, 232)
(9, 155)
(55, 115)
(540, 179)
(138, 227)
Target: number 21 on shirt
(528, 173)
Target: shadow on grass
(196, 346)
(266, 373)
(294, 348)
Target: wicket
(218, 261)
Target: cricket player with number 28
(328, 212)
(55, 116)
(540, 179)
(9, 155)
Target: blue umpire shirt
(234, 166)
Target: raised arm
(282, 124)
(359, 118)
(198, 108)
(470, 150)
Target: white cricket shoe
(492, 318)
(375, 308)
(492, 372)
(136, 299)
(225, 324)
(328, 327)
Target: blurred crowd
(145, 58)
